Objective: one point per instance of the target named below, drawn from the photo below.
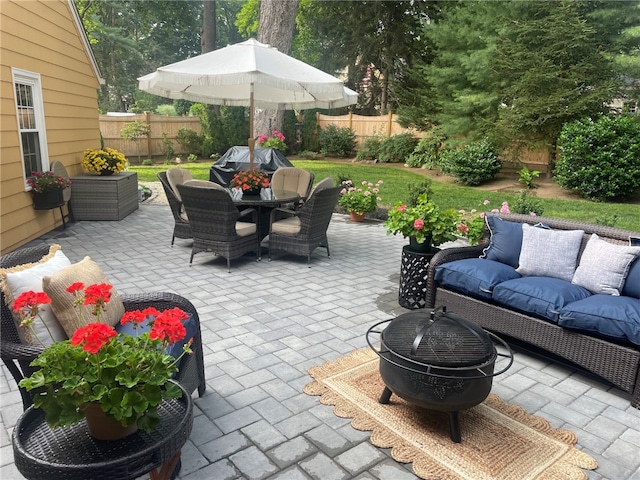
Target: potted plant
(250, 181)
(276, 141)
(105, 161)
(359, 200)
(46, 189)
(425, 224)
(99, 372)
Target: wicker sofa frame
(616, 362)
(17, 356)
(181, 228)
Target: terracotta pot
(356, 217)
(103, 427)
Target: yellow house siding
(42, 37)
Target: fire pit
(438, 361)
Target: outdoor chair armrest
(252, 211)
(280, 213)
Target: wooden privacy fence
(151, 146)
(366, 127)
(385, 126)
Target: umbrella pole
(251, 141)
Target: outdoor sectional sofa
(553, 285)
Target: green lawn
(395, 189)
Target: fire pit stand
(438, 361)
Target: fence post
(389, 120)
(350, 120)
(147, 120)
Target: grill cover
(441, 339)
(236, 159)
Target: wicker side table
(413, 278)
(70, 453)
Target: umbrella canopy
(249, 74)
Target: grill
(438, 361)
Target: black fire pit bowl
(438, 361)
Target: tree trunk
(276, 25)
(208, 39)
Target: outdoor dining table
(264, 206)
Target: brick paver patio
(265, 323)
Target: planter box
(96, 197)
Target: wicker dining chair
(59, 169)
(216, 226)
(301, 231)
(17, 356)
(293, 179)
(181, 227)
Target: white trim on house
(32, 79)
(85, 40)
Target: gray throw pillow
(604, 266)
(549, 253)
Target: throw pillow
(632, 283)
(62, 302)
(549, 253)
(506, 241)
(604, 266)
(23, 278)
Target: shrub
(474, 164)
(190, 141)
(168, 110)
(426, 152)
(527, 177)
(527, 204)
(167, 147)
(337, 142)
(370, 149)
(397, 148)
(600, 158)
(417, 189)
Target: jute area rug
(500, 441)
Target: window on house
(31, 127)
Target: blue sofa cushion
(506, 241)
(631, 286)
(541, 296)
(174, 350)
(474, 276)
(607, 315)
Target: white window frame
(34, 81)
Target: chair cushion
(177, 176)
(604, 266)
(244, 229)
(549, 253)
(476, 277)
(608, 315)
(506, 241)
(291, 179)
(542, 296)
(62, 302)
(632, 283)
(204, 183)
(23, 278)
(174, 350)
(287, 226)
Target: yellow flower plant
(104, 162)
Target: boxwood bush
(473, 164)
(337, 141)
(600, 159)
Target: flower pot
(424, 247)
(106, 173)
(47, 200)
(103, 427)
(356, 217)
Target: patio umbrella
(249, 74)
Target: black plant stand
(413, 278)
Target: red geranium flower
(75, 287)
(168, 326)
(97, 294)
(93, 337)
(29, 301)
